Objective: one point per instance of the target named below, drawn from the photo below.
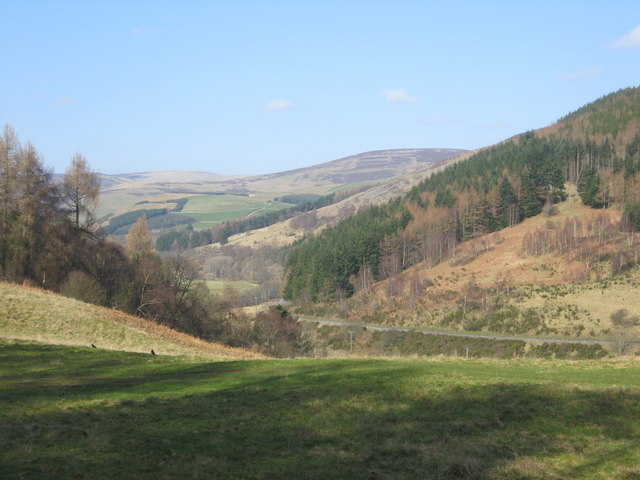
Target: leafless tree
(139, 239)
(79, 190)
(8, 151)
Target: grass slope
(38, 315)
(210, 210)
(81, 413)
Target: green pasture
(210, 210)
(70, 412)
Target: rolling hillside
(454, 250)
(42, 316)
(493, 284)
(122, 192)
(287, 232)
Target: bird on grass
(152, 352)
(93, 346)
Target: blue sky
(242, 87)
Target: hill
(614, 118)
(457, 213)
(122, 192)
(368, 167)
(494, 283)
(285, 233)
(79, 413)
(42, 316)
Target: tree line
(495, 188)
(45, 226)
(48, 238)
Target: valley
(492, 279)
(320, 240)
(466, 314)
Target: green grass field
(216, 286)
(210, 210)
(69, 412)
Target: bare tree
(139, 239)
(8, 151)
(35, 212)
(622, 340)
(80, 189)
(179, 277)
(230, 298)
(147, 267)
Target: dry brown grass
(505, 258)
(593, 296)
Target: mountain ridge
(122, 191)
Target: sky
(249, 87)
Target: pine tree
(589, 187)
(508, 202)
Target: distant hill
(122, 192)
(160, 179)
(42, 316)
(356, 169)
(286, 232)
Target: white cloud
(630, 40)
(577, 75)
(280, 104)
(399, 95)
(65, 101)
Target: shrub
(82, 287)
(621, 318)
(278, 334)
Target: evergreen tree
(632, 216)
(508, 204)
(589, 186)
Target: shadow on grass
(360, 419)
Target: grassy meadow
(217, 286)
(39, 315)
(70, 412)
(210, 210)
